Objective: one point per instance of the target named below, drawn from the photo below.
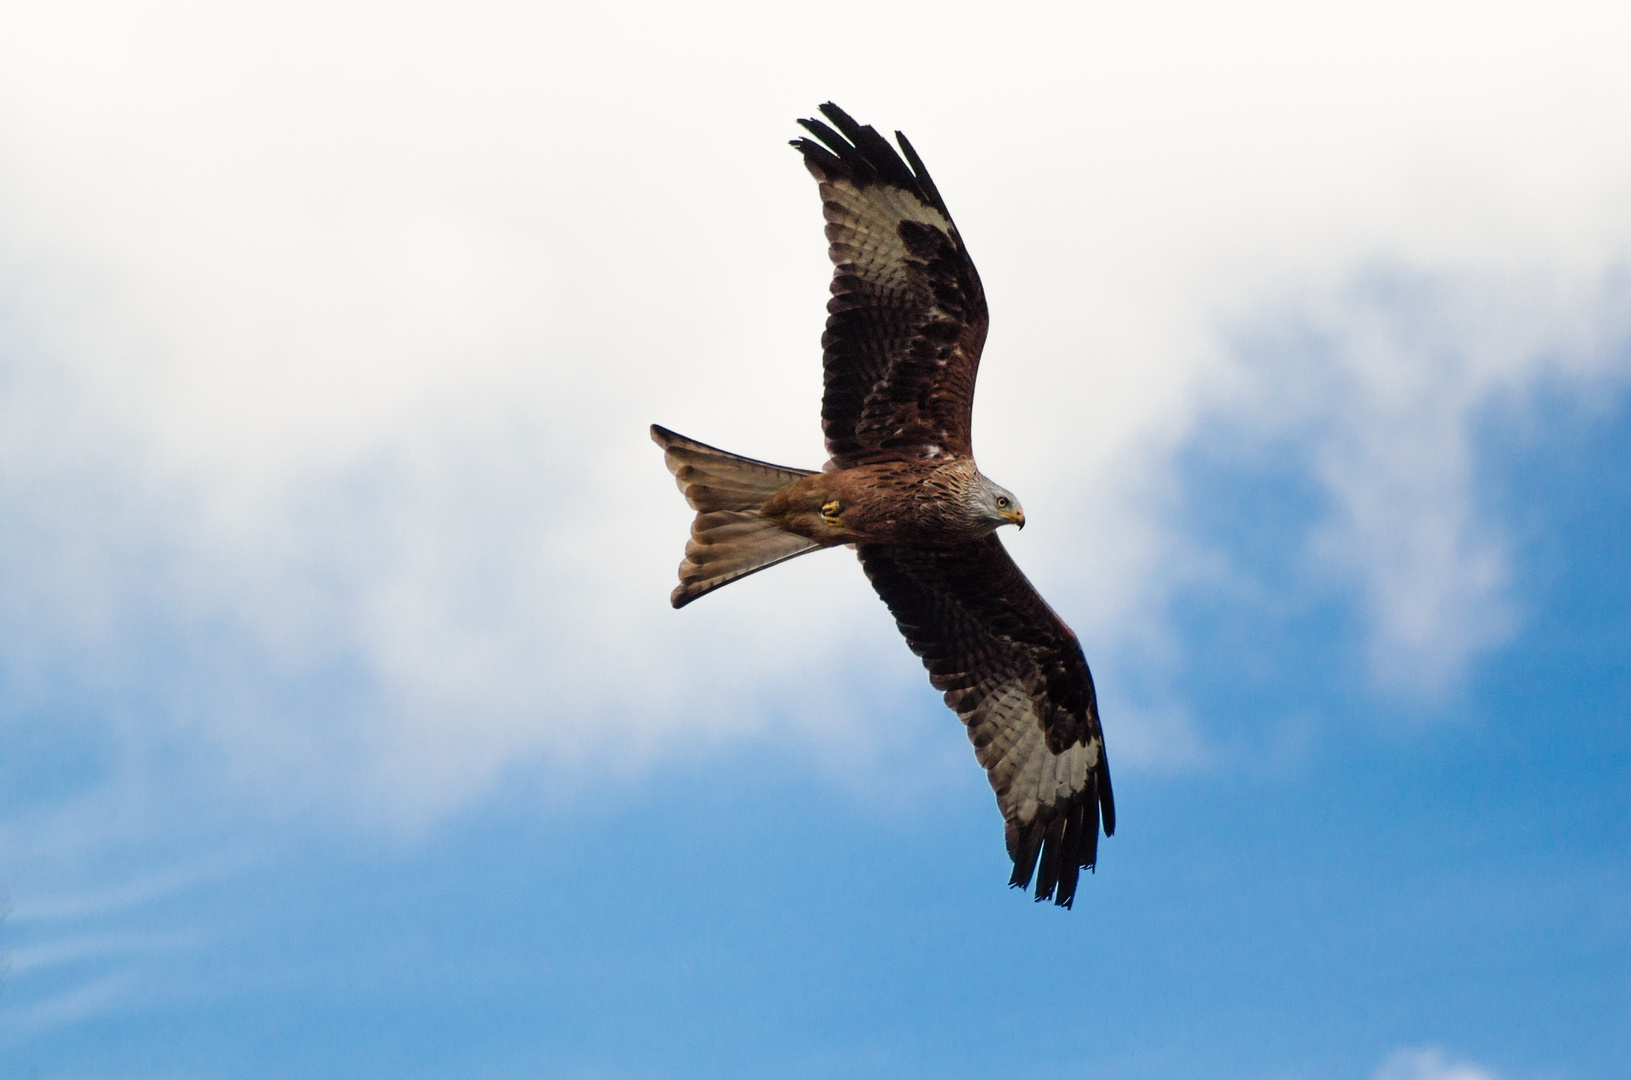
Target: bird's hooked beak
(1016, 516)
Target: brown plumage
(906, 324)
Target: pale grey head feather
(994, 505)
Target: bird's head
(997, 506)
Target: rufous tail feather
(730, 539)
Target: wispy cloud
(1428, 1064)
(71, 1006)
(111, 900)
(1378, 388)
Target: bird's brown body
(905, 503)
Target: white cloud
(333, 331)
(1427, 1064)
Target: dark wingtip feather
(921, 172)
(1107, 798)
(821, 162)
(1050, 868)
(832, 112)
(1023, 848)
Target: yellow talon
(829, 512)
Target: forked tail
(730, 539)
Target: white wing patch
(868, 220)
(1025, 774)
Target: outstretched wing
(907, 318)
(1014, 673)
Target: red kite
(906, 323)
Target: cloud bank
(331, 332)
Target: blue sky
(344, 725)
(1355, 875)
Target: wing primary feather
(1048, 870)
(1107, 799)
(818, 159)
(923, 179)
(1090, 836)
(1022, 848)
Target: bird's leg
(829, 512)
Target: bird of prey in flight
(906, 323)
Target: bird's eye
(1002, 502)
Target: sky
(345, 726)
